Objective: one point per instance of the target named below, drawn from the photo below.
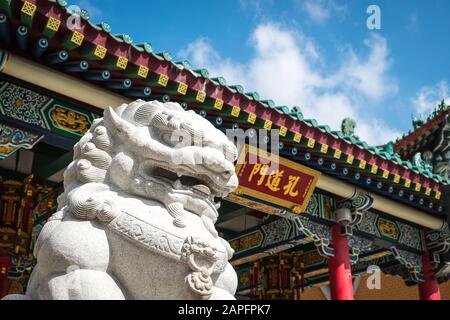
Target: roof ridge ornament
(348, 126)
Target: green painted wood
(5, 7)
(27, 13)
(231, 214)
(48, 169)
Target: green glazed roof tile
(252, 95)
(396, 158)
(325, 128)
(312, 122)
(359, 143)
(268, 103)
(282, 109)
(348, 139)
(407, 164)
(294, 112)
(163, 56)
(84, 14)
(236, 88)
(219, 81)
(385, 155)
(122, 38)
(102, 26)
(184, 64)
(334, 134)
(296, 109)
(143, 47)
(337, 134)
(202, 73)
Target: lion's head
(154, 150)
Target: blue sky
(317, 54)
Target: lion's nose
(227, 174)
(232, 183)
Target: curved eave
(156, 71)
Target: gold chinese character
(261, 170)
(263, 173)
(255, 170)
(273, 181)
(289, 189)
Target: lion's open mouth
(182, 182)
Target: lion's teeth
(202, 188)
(177, 184)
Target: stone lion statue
(136, 219)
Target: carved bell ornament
(343, 216)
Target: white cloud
(316, 11)
(284, 67)
(201, 54)
(377, 131)
(319, 11)
(429, 97)
(370, 76)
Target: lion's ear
(113, 121)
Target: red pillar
(341, 284)
(4, 282)
(429, 290)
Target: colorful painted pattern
(321, 206)
(411, 261)
(276, 231)
(12, 139)
(391, 230)
(39, 110)
(275, 235)
(22, 104)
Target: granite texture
(136, 219)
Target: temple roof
(92, 52)
(410, 143)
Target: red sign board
(274, 179)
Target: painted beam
(144, 65)
(383, 204)
(274, 236)
(230, 211)
(49, 138)
(44, 77)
